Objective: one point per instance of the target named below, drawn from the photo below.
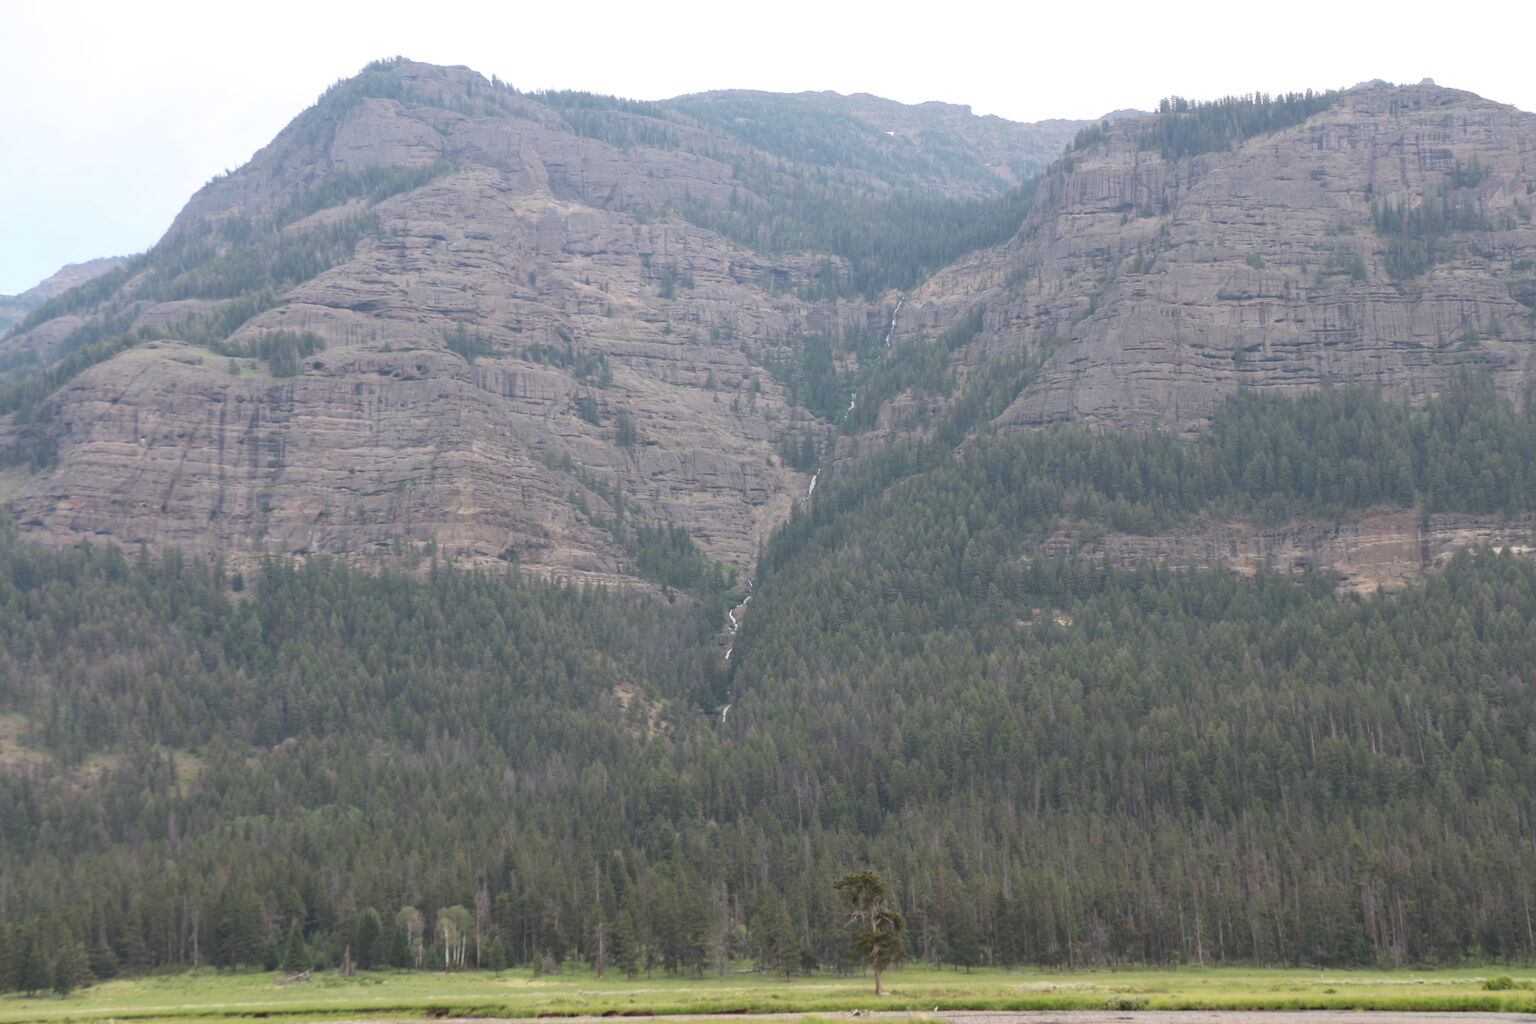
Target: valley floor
(1227, 995)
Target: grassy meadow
(219, 996)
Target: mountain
(14, 307)
(1139, 549)
(1379, 236)
(551, 320)
(511, 326)
(1383, 237)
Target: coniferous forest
(1057, 762)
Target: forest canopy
(1053, 760)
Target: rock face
(1159, 286)
(1383, 552)
(522, 345)
(536, 326)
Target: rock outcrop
(1159, 286)
(1379, 552)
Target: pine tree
(399, 946)
(28, 967)
(626, 944)
(296, 958)
(370, 938)
(781, 949)
(877, 924)
(102, 961)
(70, 969)
(964, 942)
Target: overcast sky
(115, 113)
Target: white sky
(115, 112)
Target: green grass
(218, 996)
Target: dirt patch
(19, 758)
(627, 696)
(16, 758)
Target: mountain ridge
(1148, 322)
(498, 218)
(14, 308)
(616, 299)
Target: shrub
(1125, 1003)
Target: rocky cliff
(1384, 239)
(510, 329)
(1378, 552)
(438, 311)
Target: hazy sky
(117, 112)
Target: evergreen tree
(296, 955)
(877, 924)
(70, 968)
(370, 939)
(626, 945)
(399, 947)
(780, 949)
(29, 969)
(964, 942)
(238, 928)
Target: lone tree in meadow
(876, 922)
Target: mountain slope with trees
(1054, 760)
(454, 421)
(608, 294)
